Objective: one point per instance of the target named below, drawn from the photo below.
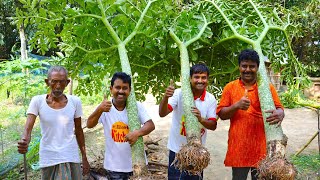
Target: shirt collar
(251, 88)
(202, 96)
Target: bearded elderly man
(60, 123)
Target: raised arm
(94, 117)
(163, 107)
(228, 112)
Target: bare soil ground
(300, 124)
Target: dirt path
(299, 125)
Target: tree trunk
(192, 124)
(276, 140)
(70, 88)
(275, 165)
(23, 48)
(138, 153)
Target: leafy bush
(289, 99)
(21, 80)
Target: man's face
(248, 70)
(120, 90)
(199, 81)
(57, 83)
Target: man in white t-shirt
(113, 116)
(205, 111)
(62, 134)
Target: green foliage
(89, 46)
(306, 42)
(15, 78)
(13, 175)
(11, 119)
(33, 153)
(8, 34)
(290, 99)
(307, 162)
(16, 89)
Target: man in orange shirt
(240, 103)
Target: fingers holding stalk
(23, 146)
(196, 113)
(276, 116)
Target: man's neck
(56, 102)
(248, 84)
(59, 99)
(197, 93)
(119, 105)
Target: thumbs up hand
(244, 102)
(105, 105)
(170, 89)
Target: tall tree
(306, 41)
(8, 34)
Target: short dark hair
(123, 76)
(249, 54)
(199, 69)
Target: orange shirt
(247, 141)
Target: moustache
(57, 93)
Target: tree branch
(105, 21)
(223, 40)
(96, 51)
(151, 66)
(175, 38)
(139, 23)
(58, 19)
(86, 15)
(224, 17)
(200, 33)
(259, 14)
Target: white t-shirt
(117, 156)
(206, 104)
(58, 142)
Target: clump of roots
(192, 158)
(139, 170)
(276, 168)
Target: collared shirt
(247, 140)
(206, 104)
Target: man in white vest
(62, 134)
